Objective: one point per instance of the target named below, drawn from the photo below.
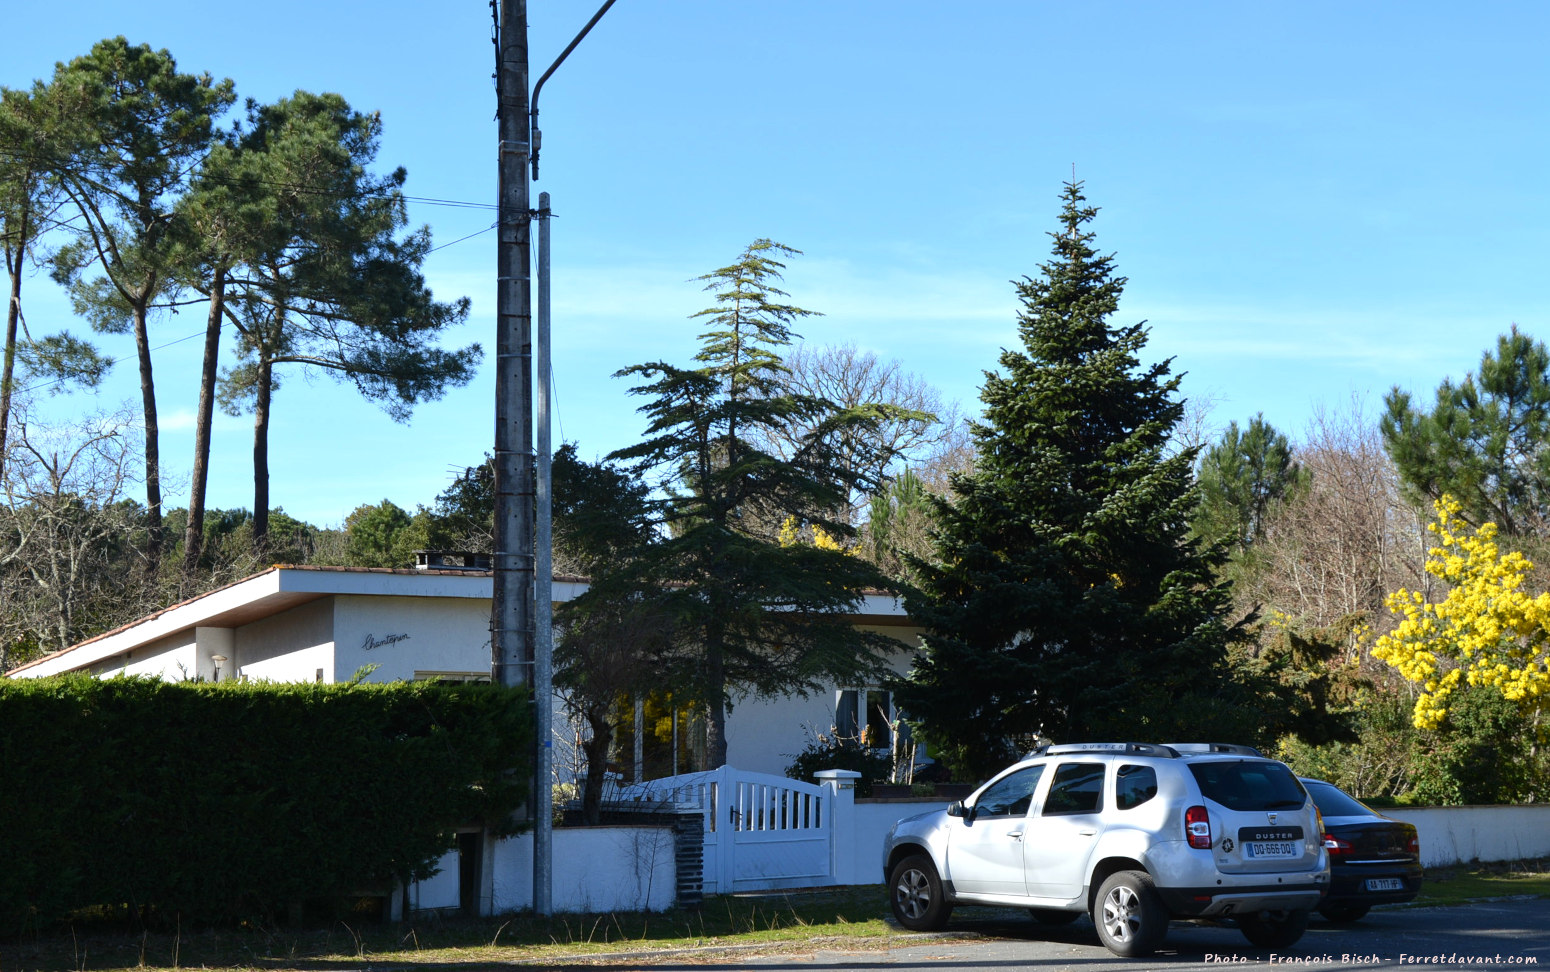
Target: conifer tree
(748, 616)
(1243, 481)
(1486, 441)
(1066, 599)
(147, 126)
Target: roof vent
(450, 560)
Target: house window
(867, 714)
(452, 677)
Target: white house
(324, 624)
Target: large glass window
(867, 716)
(1011, 795)
(1077, 788)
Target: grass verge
(852, 918)
(1472, 882)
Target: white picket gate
(761, 832)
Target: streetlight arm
(537, 136)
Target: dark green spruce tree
(1067, 599)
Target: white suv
(1133, 834)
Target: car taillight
(1413, 846)
(1197, 826)
(1336, 846)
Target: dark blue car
(1372, 859)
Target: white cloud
(183, 420)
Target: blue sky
(1310, 200)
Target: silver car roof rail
(1130, 748)
(1216, 747)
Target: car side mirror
(957, 809)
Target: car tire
(1269, 929)
(1130, 917)
(1053, 916)
(1341, 913)
(916, 895)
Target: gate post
(840, 787)
(727, 822)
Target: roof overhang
(282, 588)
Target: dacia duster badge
(1133, 834)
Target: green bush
(841, 752)
(215, 802)
(1483, 753)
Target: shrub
(834, 751)
(215, 802)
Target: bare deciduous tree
(927, 431)
(67, 529)
(1349, 538)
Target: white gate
(761, 831)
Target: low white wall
(440, 890)
(1452, 834)
(871, 821)
(596, 870)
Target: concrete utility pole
(511, 612)
(543, 600)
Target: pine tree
(1066, 599)
(148, 126)
(1243, 480)
(748, 615)
(332, 286)
(1486, 442)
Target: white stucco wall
(440, 890)
(404, 635)
(764, 735)
(596, 869)
(290, 646)
(1449, 835)
(173, 659)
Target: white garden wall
(596, 869)
(1453, 834)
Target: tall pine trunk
(13, 313)
(153, 543)
(261, 456)
(193, 534)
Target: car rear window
(1249, 784)
(1335, 802)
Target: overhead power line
(187, 180)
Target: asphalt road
(1500, 934)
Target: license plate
(1265, 849)
(1385, 884)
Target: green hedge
(215, 802)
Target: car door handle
(1016, 835)
(1086, 833)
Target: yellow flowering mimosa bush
(1488, 631)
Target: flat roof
(282, 587)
